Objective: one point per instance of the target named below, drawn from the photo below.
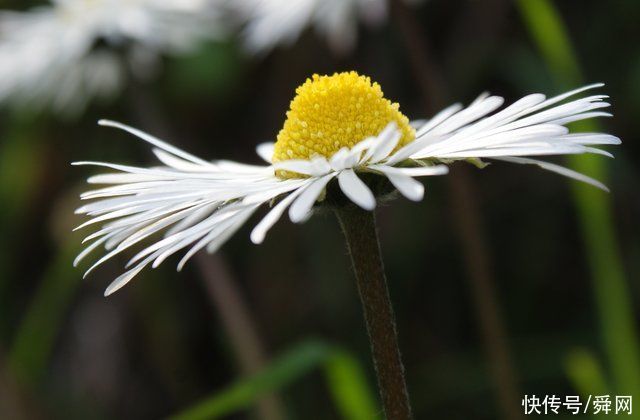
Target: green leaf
(346, 380)
(349, 387)
(586, 375)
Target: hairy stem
(360, 232)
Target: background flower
(280, 22)
(63, 55)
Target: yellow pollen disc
(332, 112)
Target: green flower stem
(359, 229)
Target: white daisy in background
(280, 22)
(62, 55)
(338, 128)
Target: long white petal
(155, 141)
(125, 278)
(218, 236)
(437, 119)
(405, 184)
(302, 205)
(260, 231)
(531, 126)
(356, 190)
(557, 169)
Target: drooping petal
(302, 205)
(356, 190)
(407, 186)
(561, 170)
(259, 232)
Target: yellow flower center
(332, 112)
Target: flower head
(62, 55)
(332, 112)
(339, 127)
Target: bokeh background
(506, 281)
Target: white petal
(582, 116)
(218, 235)
(411, 149)
(534, 150)
(125, 278)
(88, 250)
(304, 167)
(531, 126)
(470, 114)
(279, 187)
(592, 138)
(303, 204)
(338, 160)
(155, 141)
(557, 169)
(438, 118)
(260, 231)
(265, 151)
(417, 124)
(386, 144)
(364, 145)
(407, 186)
(562, 97)
(425, 170)
(356, 190)
(177, 163)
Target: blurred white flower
(280, 22)
(62, 55)
(338, 127)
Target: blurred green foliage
(345, 378)
(32, 346)
(611, 291)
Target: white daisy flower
(62, 55)
(280, 22)
(340, 129)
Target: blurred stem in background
(40, 325)
(24, 172)
(217, 280)
(239, 326)
(15, 402)
(21, 163)
(467, 221)
(594, 208)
